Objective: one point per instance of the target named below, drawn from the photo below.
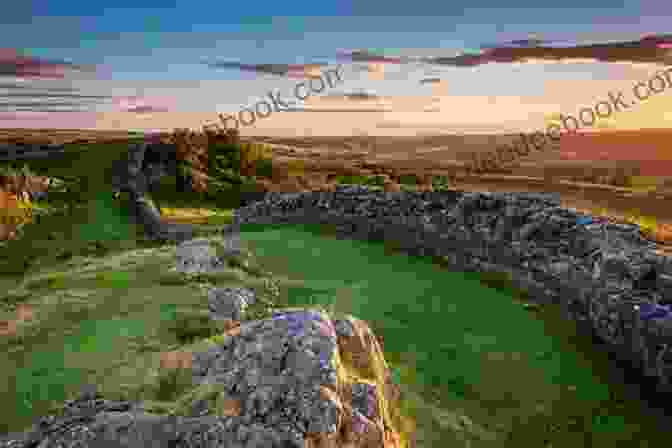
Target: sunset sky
(155, 67)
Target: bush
(440, 182)
(222, 156)
(621, 180)
(232, 163)
(408, 179)
(295, 168)
(351, 180)
(250, 154)
(376, 181)
(264, 168)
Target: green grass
(360, 180)
(523, 374)
(464, 346)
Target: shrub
(621, 180)
(250, 154)
(171, 383)
(264, 168)
(295, 168)
(233, 163)
(440, 182)
(352, 180)
(376, 180)
(408, 179)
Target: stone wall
(605, 276)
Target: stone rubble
(604, 275)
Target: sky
(150, 65)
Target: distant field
(647, 151)
(60, 136)
(558, 169)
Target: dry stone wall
(605, 276)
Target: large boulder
(304, 379)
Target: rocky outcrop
(302, 378)
(605, 276)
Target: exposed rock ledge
(603, 275)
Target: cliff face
(605, 276)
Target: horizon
(416, 69)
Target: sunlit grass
(649, 225)
(644, 183)
(193, 212)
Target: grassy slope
(480, 365)
(97, 315)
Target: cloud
(52, 95)
(355, 96)
(367, 56)
(48, 101)
(13, 64)
(348, 110)
(144, 109)
(526, 43)
(642, 51)
(28, 85)
(42, 109)
(303, 71)
(361, 96)
(142, 105)
(32, 104)
(19, 86)
(652, 49)
(431, 81)
(369, 68)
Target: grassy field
(482, 368)
(479, 368)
